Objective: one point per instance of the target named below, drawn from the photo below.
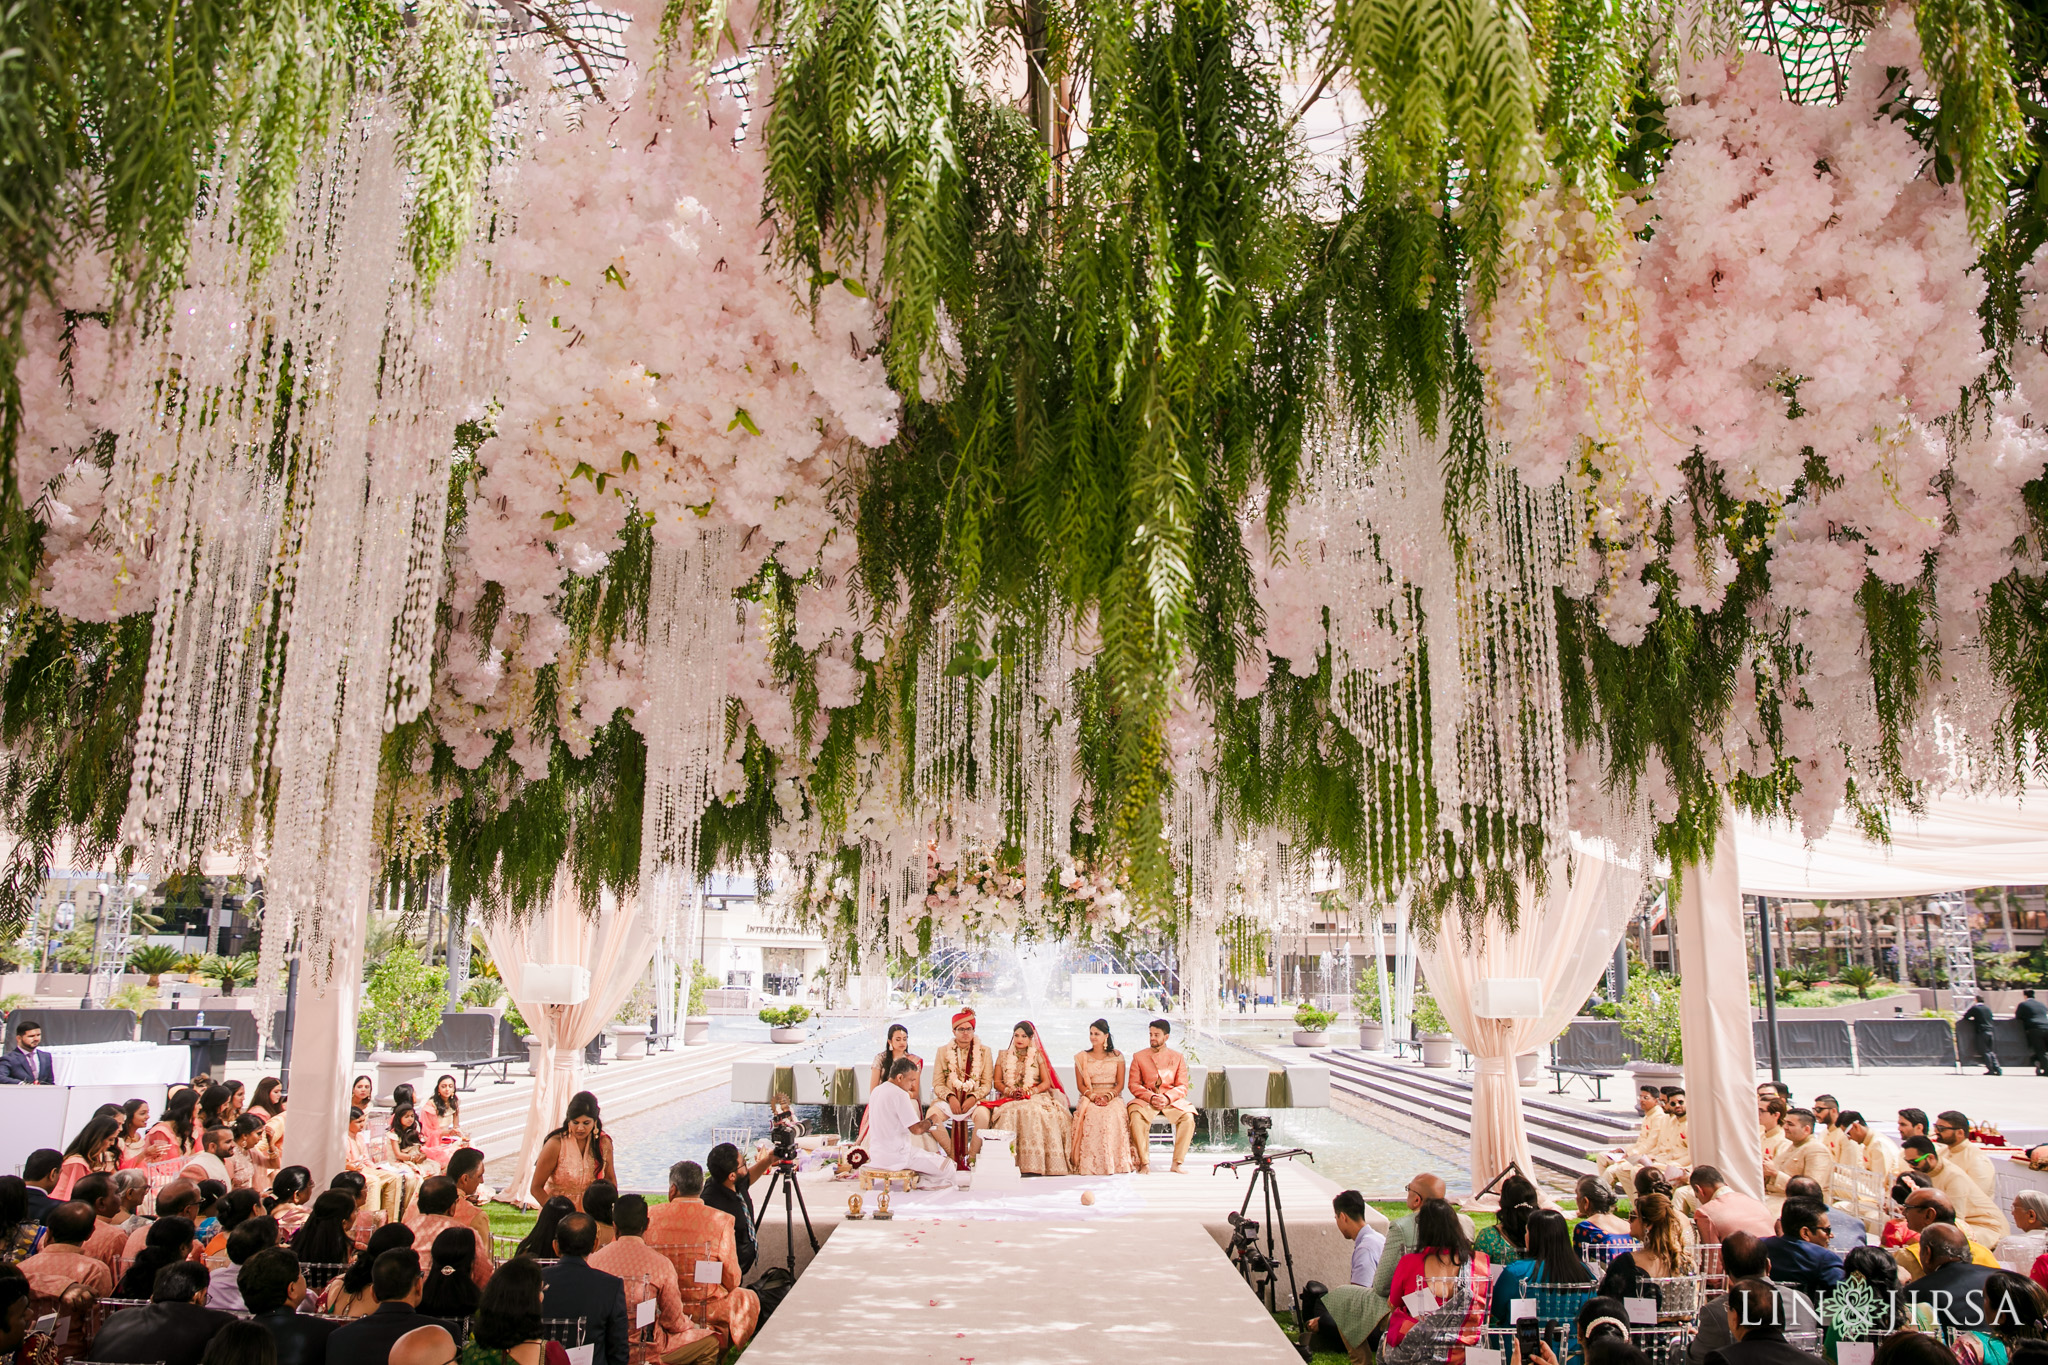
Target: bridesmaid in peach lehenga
(1031, 1103)
(1102, 1135)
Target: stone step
(1591, 1126)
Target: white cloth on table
(119, 1063)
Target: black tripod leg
(809, 1231)
(1287, 1255)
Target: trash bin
(209, 1045)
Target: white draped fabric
(1713, 1014)
(324, 1055)
(615, 945)
(1959, 843)
(1564, 939)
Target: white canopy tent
(1960, 842)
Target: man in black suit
(39, 1173)
(1950, 1284)
(2033, 1020)
(574, 1290)
(174, 1329)
(1978, 1019)
(1759, 1334)
(26, 1063)
(272, 1287)
(395, 1284)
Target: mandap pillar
(1714, 1018)
(324, 1055)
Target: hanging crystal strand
(375, 441)
(690, 635)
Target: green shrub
(1365, 997)
(402, 1003)
(1429, 1016)
(784, 1018)
(1309, 1019)
(483, 992)
(155, 959)
(700, 981)
(1649, 1017)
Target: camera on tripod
(1244, 1246)
(783, 1131)
(1258, 1128)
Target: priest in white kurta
(893, 1117)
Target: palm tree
(156, 959)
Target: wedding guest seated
(1159, 1091)
(540, 1239)
(250, 1236)
(2029, 1240)
(597, 1202)
(1803, 1154)
(678, 1341)
(1846, 1228)
(1924, 1208)
(96, 1148)
(1548, 1259)
(1661, 1252)
(725, 1189)
(435, 1214)
(1758, 1335)
(450, 1291)
(1799, 1255)
(133, 1187)
(290, 1199)
(688, 1231)
(109, 1228)
(433, 1345)
(1440, 1291)
(1974, 1208)
(575, 1290)
(1724, 1210)
(1742, 1258)
(1493, 1239)
(173, 1329)
(1952, 1135)
(354, 1294)
(322, 1243)
(1600, 1233)
(63, 1261)
(1336, 1317)
(1950, 1286)
(39, 1173)
(507, 1329)
(395, 1280)
(272, 1288)
(1870, 1150)
(1401, 1235)
(466, 1169)
(168, 1241)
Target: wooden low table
(870, 1174)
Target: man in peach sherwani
(433, 1215)
(1159, 1090)
(62, 1262)
(960, 1087)
(649, 1275)
(692, 1234)
(109, 1233)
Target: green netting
(1812, 44)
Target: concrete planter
(394, 1069)
(632, 1041)
(532, 1055)
(696, 1030)
(1311, 1038)
(1529, 1068)
(788, 1035)
(1436, 1049)
(1372, 1035)
(1657, 1073)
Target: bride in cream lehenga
(1031, 1103)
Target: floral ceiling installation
(995, 471)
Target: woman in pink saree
(1031, 1102)
(1440, 1295)
(1102, 1134)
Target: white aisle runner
(950, 1292)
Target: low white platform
(1020, 1293)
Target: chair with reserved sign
(572, 1334)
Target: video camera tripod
(785, 1172)
(1261, 1272)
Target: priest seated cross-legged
(961, 1086)
(893, 1120)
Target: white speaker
(553, 983)
(1508, 997)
